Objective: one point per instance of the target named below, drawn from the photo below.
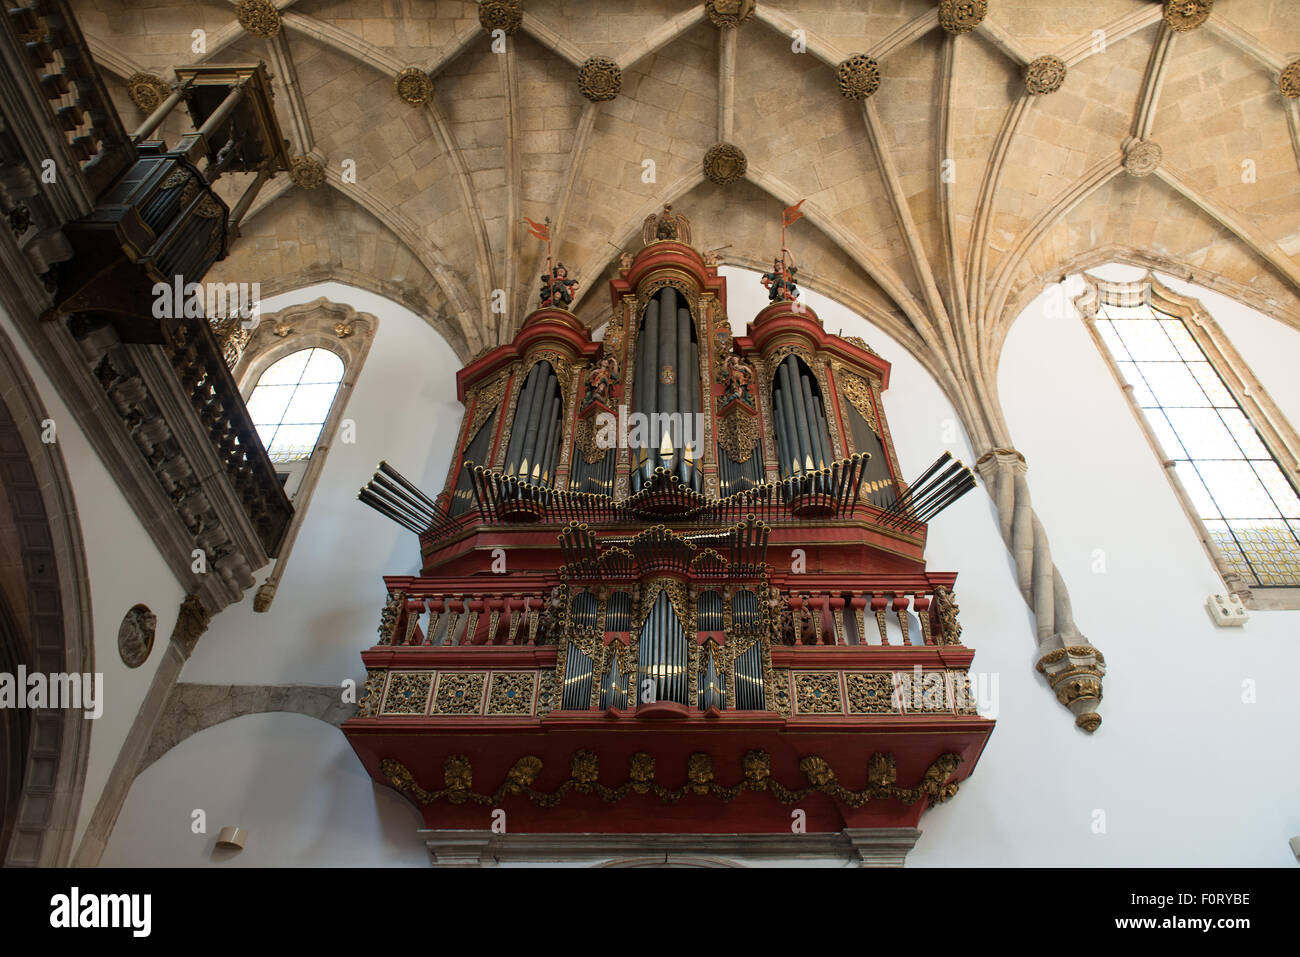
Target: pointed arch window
(1222, 440)
(292, 400)
(296, 374)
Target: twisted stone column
(1072, 666)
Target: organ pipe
(517, 434)
(796, 452)
(528, 452)
(819, 456)
(667, 392)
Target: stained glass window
(1249, 507)
(291, 401)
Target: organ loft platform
(675, 583)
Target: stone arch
(192, 708)
(59, 627)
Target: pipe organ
(667, 390)
(674, 573)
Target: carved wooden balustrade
(58, 57)
(196, 357)
(898, 616)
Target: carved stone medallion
(500, 15)
(305, 172)
(1289, 81)
(962, 16)
(859, 77)
(135, 636)
(414, 86)
(1184, 15)
(724, 164)
(147, 91)
(1045, 75)
(258, 18)
(729, 13)
(600, 79)
(1142, 158)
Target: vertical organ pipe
(795, 452)
(814, 427)
(547, 446)
(801, 414)
(517, 434)
(824, 425)
(668, 333)
(647, 353)
(528, 458)
(685, 386)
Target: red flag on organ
(791, 213)
(538, 230)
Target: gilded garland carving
(1289, 81)
(779, 691)
(858, 391)
(486, 401)
(584, 778)
(502, 15)
(729, 13)
(459, 693)
(1184, 15)
(259, 18)
(859, 77)
(600, 79)
(585, 441)
(962, 16)
(388, 617)
(372, 694)
(817, 692)
(725, 164)
(414, 86)
(306, 173)
(511, 693)
(147, 91)
(737, 432)
(1045, 75)
(546, 696)
(950, 630)
(870, 692)
(408, 692)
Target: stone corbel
(1073, 667)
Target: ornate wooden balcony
(114, 216)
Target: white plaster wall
(124, 568)
(1185, 772)
(327, 606)
(291, 781)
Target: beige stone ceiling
(1039, 183)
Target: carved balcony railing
(894, 616)
(98, 219)
(435, 617)
(57, 55)
(196, 357)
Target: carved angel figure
(739, 375)
(601, 380)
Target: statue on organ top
(557, 288)
(779, 283)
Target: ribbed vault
(936, 206)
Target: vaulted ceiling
(935, 205)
